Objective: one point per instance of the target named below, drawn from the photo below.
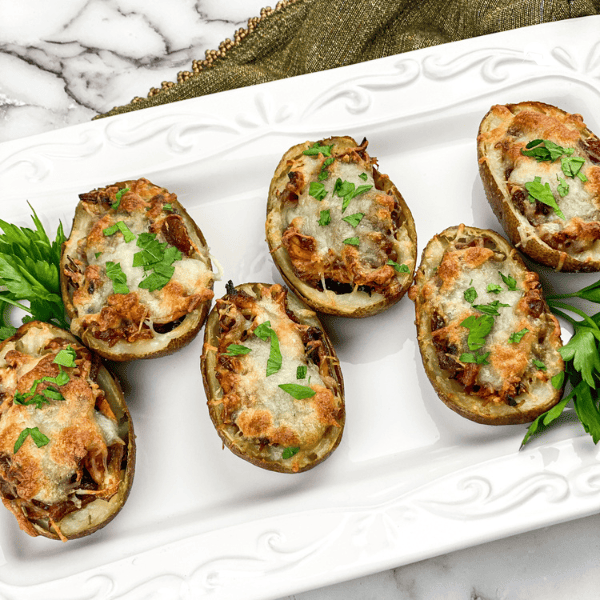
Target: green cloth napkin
(304, 36)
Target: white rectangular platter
(411, 479)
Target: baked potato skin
(448, 389)
(103, 511)
(517, 227)
(329, 302)
(184, 332)
(253, 450)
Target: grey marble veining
(61, 63)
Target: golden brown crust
(572, 244)
(120, 330)
(513, 388)
(305, 263)
(254, 426)
(69, 443)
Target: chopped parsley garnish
(517, 336)
(364, 176)
(118, 278)
(571, 165)
(36, 435)
(479, 328)
(157, 257)
(399, 268)
(299, 392)
(545, 150)
(354, 219)
(491, 308)
(543, 194)
(509, 281)
(98, 254)
(118, 197)
(324, 217)
(494, 288)
(478, 359)
(324, 173)
(301, 371)
(122, 227)
(317, 190)
(316, 149)
(290, 451)
(352, 241)
(540, 365)
(347, 191)
(470, 295)
(236, 350)
(266, 333)
(168, 206)
(66, 357)
(563, 186)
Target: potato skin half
(162, 343)
(503, 123)
(440, 310)
(357, 303)
(254, 449)
(97, 514)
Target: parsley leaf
(491, 308)
(470, 295)
(118, 278)
(66, 357)
(324, 218)
(399, 268)
(36, 435)
(509, 281)
(118, 197)
(494, 288)
(479, 328)
(157, 257)
(122, 227)
(317, 190)
(236, 350)
(517, 336)
(299, 392)
(354, 219)
(563, 186)
(301, 371)
(352, 241)
(289, 452)
(364, 176)
(571, 165)
(316, 149)
(479, 359)
(266, 333)
(543, 194)
(545, 150)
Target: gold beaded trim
(213, 56)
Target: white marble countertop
(61, 63)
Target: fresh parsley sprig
(582, 367)
(29, 272)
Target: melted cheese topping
(75, 429)
(267, 410)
